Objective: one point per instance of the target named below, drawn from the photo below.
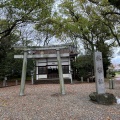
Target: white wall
(45, 76)
(40, 76)
(52, 61)
(41, 62)
(67, 76)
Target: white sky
(116, 56)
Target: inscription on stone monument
(99, 69)
(99, 73)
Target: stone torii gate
(24, 68)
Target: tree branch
(94, 1)
(116, 37)
(107, 13)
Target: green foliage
(13, 67)
(112, 73)
(88, 21)
(84, 65)
(21, 12)
(117, 72)
(92, 24)
(18, 14)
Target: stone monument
(100, 96)
(99, 73)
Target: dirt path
(44, 102)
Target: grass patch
(117, 73)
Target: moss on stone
(105, 99)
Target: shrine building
(47, 64)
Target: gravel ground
(44, 102)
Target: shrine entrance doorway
(52, 72)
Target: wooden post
(62, 86)
(23, 78)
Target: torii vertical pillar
(23, 78)
(62, 86)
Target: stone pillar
(70, 71)
(5, 82)
(32, 77)
(82, 79)
(88, 80)
(16, 82)
(99, 74)
(111, 84)
(62, 86)
(23, 78)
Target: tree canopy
(91, 23)
(94, 24)
(15, 16)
